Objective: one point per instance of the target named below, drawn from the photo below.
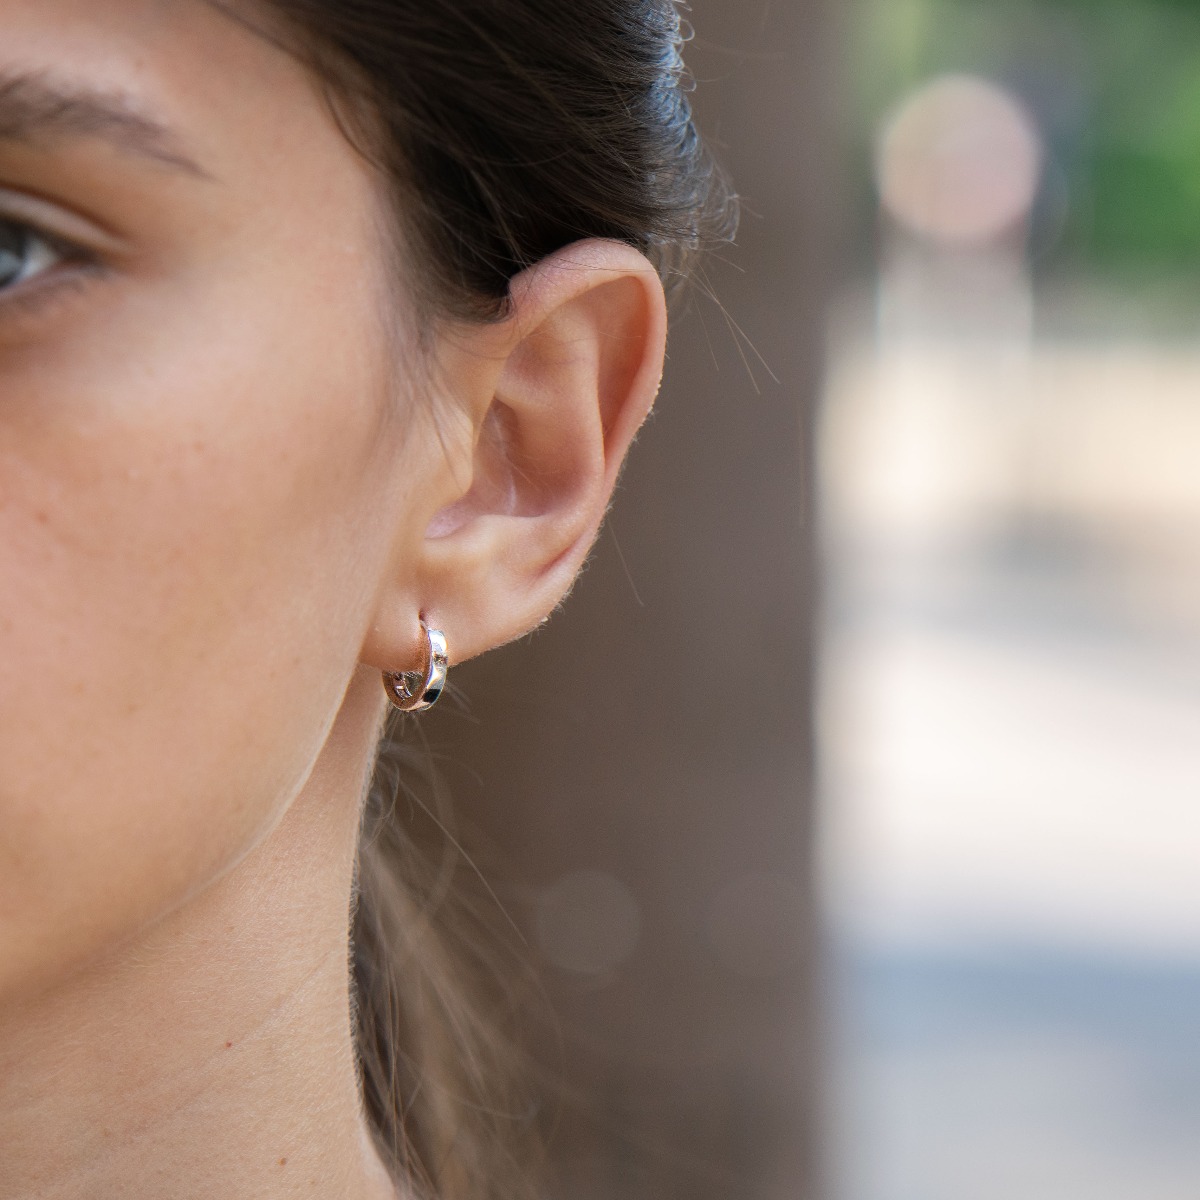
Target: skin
(229, 489)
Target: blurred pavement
(1010, 732)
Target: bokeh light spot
(959, 161)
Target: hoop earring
(415, 691)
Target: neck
(213, 1055)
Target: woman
(324, 326)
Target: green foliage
(1115, 85)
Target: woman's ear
(554, 397)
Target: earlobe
(579, 367)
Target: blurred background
(1010, 688)
(854, 795)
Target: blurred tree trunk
(659, 730)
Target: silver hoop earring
(415, 691)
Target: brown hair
(503, 130)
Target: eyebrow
(35, 108)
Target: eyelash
(68, 270)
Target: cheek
(187, 551)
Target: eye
(25, 254)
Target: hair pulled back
(510, 128)
(503, 130)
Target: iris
(23, 254)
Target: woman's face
(202, 452)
